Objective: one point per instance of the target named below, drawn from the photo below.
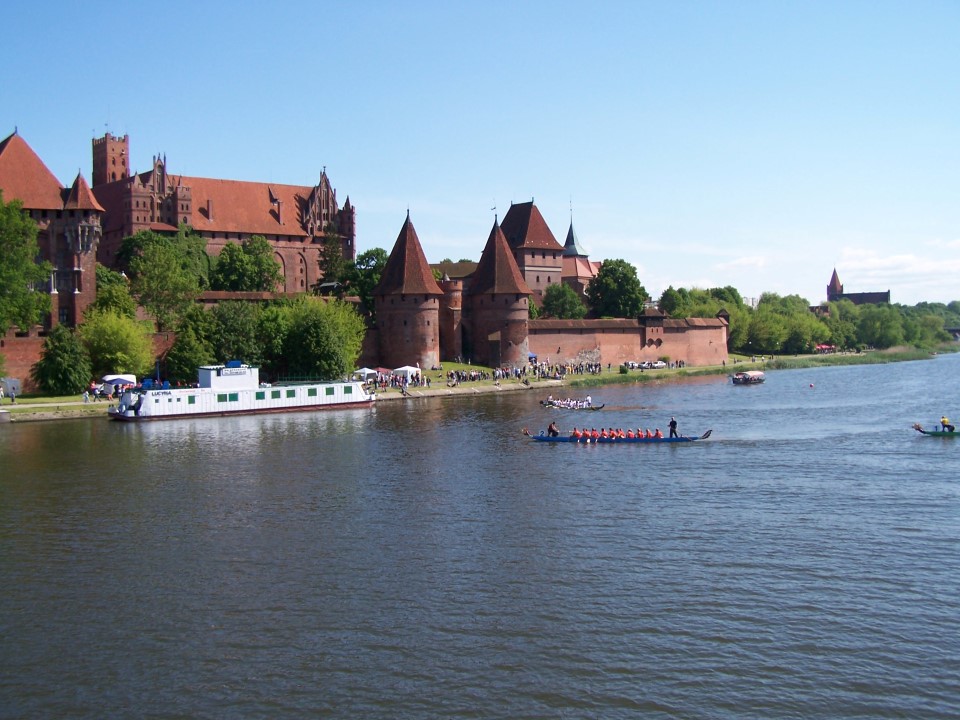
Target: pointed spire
(572, 247)
(497, 271)
(407, 271)
(81, 197)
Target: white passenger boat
(748, 377)
(234, 389)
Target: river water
(424, 560)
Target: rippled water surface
(424, 559)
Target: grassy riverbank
(35, 408)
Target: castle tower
(111, 159)
(407, 305)
(497, 304)
(535, 250)
(451, 319)
(835, 288)
(80, 226)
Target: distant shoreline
(74, 410)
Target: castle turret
(407, 303)
(451, 319)
(498, 305)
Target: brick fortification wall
(22, 352)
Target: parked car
(658, 365)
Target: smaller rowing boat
(544, 437)
(936, 433)
(748, 377)
(561, 405)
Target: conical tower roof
(407, 271)
(572, 247)
(497, 271)
(81, 197)
(835, 284)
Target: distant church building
(70, 227)
(835, 292)
(293, 218)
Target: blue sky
(752, 144)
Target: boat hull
(554, 406)
(618, 441)
(130, 417)
(936, 433)
(171, 404)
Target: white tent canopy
(406, 371)
(365, 372)
(121, 379)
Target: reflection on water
(423, 559)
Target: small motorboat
(748, 377)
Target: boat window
(191, 400)
(291, 393)
(329, 391)
(311, 392)
(221, 397)
(234, 397)
(274, 394)
(348, 390)
(261, 395)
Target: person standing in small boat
(553, 430)
(945, 422)
(673, 427)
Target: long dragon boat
(544, 437)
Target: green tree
(21, 303)
(333, 266)
(247, 267)
(841, 319)
(116, 344)
(113, 293)
(324, 339)
(562, 302)
(616, 291)
(188, 353)
(164, 285)
(364, 274)
(273, 326)
(671, 302)
(64, 365)
(189, 246)
(236, 332)
(880, 326)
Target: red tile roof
(81, 197)
(24, 177)
(497, 271)
(407, 271)
(524, 227)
